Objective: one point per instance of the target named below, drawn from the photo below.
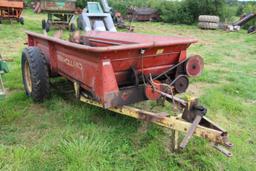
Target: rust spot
(125, 96)
(149, 118)
(204, 135)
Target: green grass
(64, 134)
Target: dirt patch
(251, 102)
(254, 73)
(38, 109)
(204, 42)
(140, 134)
(218, 67)
(197, 89)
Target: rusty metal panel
(143, 14)
(12, 4)
(11, 9)
(58, 5)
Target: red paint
(151, 93)
(194, 66)
(104, 64)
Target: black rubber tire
(251, 29)
(43, 24)
(209, 18)
(207, 25)
(72, 27)
(47, 26)
(39, 74)
(21, 20)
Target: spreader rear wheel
(46, 25)
(35, 74)
(43, 24)
(21, 20)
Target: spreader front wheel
(35, 74)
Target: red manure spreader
(114, 70)
(11, 10)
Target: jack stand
(200, 113)
(175, 140)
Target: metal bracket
(190, 132)
(175, 140)
(77, 89)
(200, 112)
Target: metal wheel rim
(28, 77)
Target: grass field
(64, 134)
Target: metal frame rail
(201, 127)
